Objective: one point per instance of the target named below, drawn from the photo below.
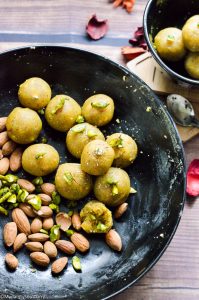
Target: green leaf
(100, 104)
(76, 263)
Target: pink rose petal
(96, 29)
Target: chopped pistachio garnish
(54, 207)
(41, 111)
(55, 233)
(69, 232)
(3, 211)
(148, 109)
(5, 197)
(101, 227)
(170, 38)
(92, 217)
(79, 128)
(68, 177)
(70, 213)
(76, 263)
(111, 181)
(44, 140)
(99, 151)
(117, 142)
(15, 188)
(40, 155)
(115, 190)
(38, 181)
(100, 104)
(35, 202)
(91, 133)
(56, 198)
(43, 231)
(12, 199)
(80, 119)
(3, 191)
(132, 191)
(58, 106)
(23, 195)
(11, 178)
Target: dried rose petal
(193, 178)
(132, 52)
(96, 28)
(139, 32)
(138, 40)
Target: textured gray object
(158, 174)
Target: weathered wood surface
(25, 22)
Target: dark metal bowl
(158, 173)
(160, 14)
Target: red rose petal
(96, 28)
(139, 32)
(132, 52)
(193, 178)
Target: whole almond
(16, 159)
(20, 240)
(48, 188)
(40, 258)
(46, 199)
(113, 240)
(64, 220)
(27, 209)
(80, 242)
(76, 221)
(3, 138)
(34, 246)
(4, 165)
(38, 237)
(9, 233)
(3, 123)
(65, 246)
(36, 225)
(48, 223)
(8, 147)
(44, 212)
(50, 249)
(11, 261)
(1, 154)
(59, 264)
(21, 220)
(26, 185)
(120, 210)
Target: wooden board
(161, 83)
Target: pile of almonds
(34, 224)
(10, 152)
(40, 231)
